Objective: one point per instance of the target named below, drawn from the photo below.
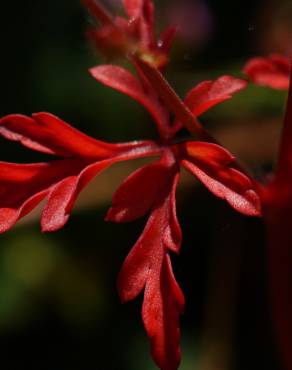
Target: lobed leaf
(148, 266)
(210, 93)
(64, 194)
(215, 168)
(47, 133)
(163, 303)
(139, 192)
(22, 187)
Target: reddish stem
(99, 12)
(171, 99)
(285, 154)
(278, 209)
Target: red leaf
(172, 233)
(121, 80)
(64, 194)
(273, 71)
(138, 193)
(148, 265)
(136, 267)
(214, 167)
(22, 187)
(209, 93)
(47, 133)
(163, 303)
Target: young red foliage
(214, 166)
(210, 93)
(151, 189)
(273, 71)
(148, 265)
(23, 186)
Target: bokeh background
(59, 308)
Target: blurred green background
(59, 308)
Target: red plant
(276, 196)
(151, 189)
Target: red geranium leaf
(55, 213)
(135, 270)
(23, 186)
(148, 266)
(214, 167)
(172, 233)
(209, 93)
(273, 71)
(64, 194)
(138, 193)
(47, 133)
(123, 81)
(141, 190)
(163, 303)
(9, 216)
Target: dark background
(59, 308)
